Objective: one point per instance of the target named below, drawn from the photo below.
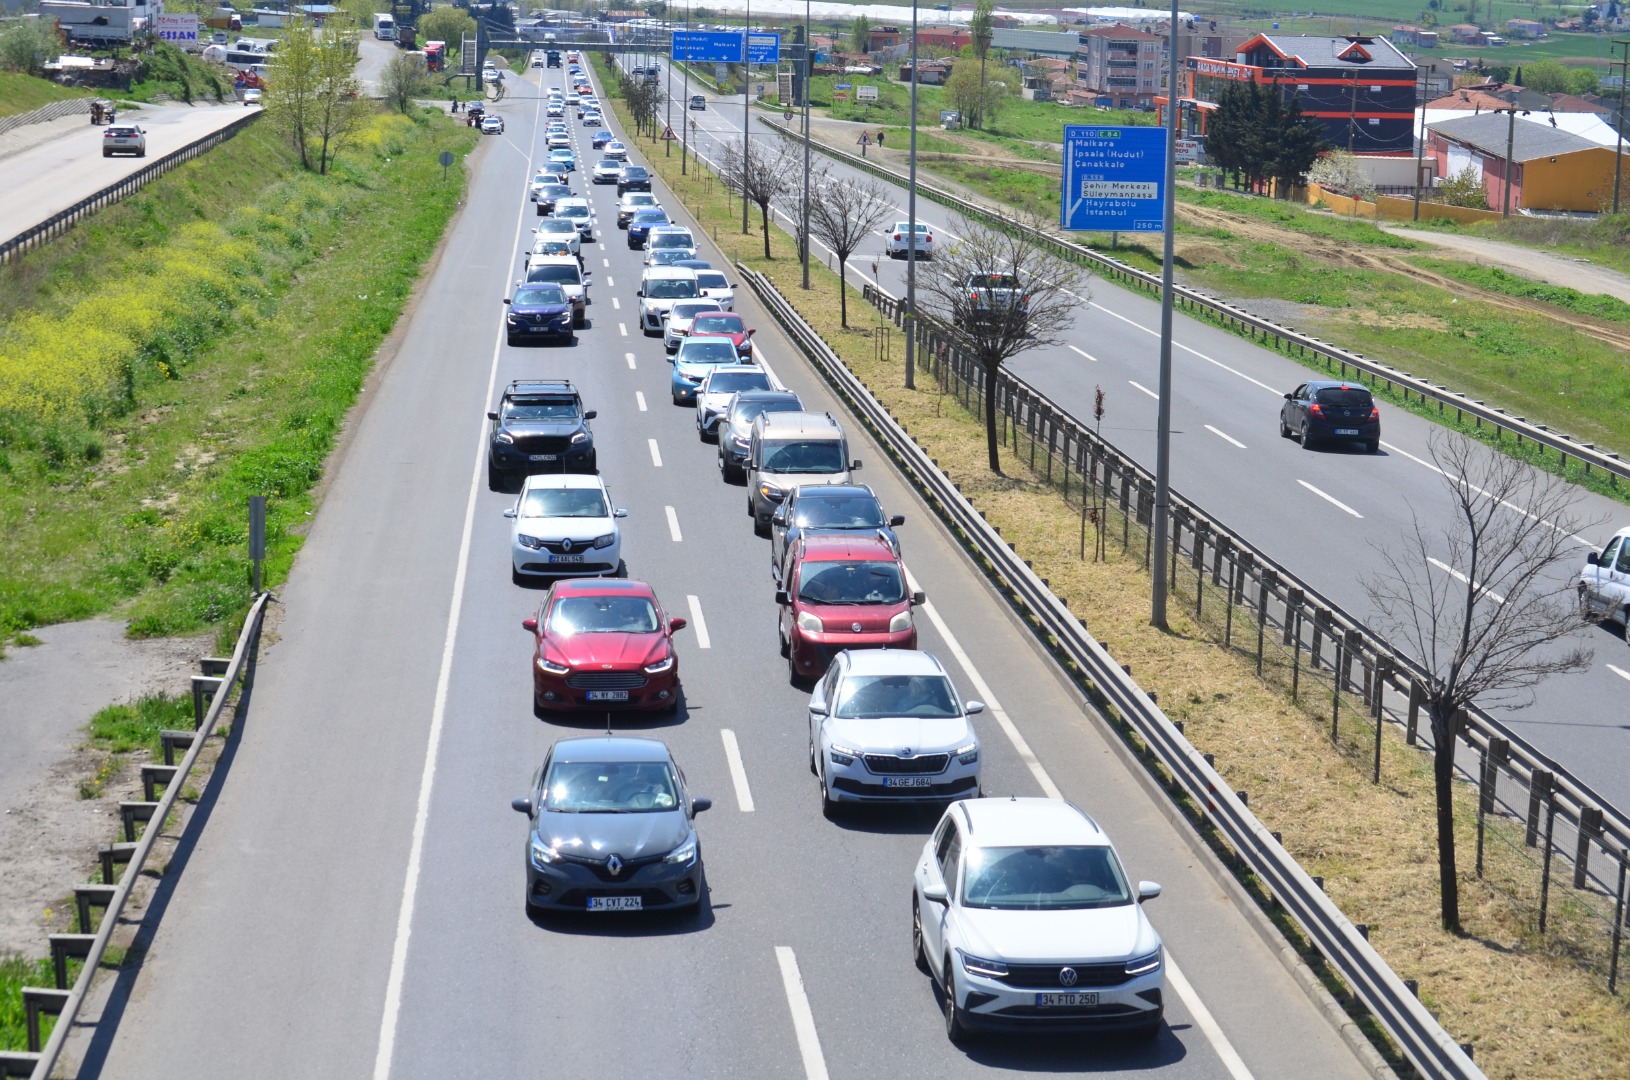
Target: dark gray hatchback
(612, 829)
(1327, 410)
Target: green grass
(134, 725)
(171, 73)
(17, 972)
(1597, 306)
(141, 508)
(20, 93)
(1288, 215)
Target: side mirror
(1593, 559)
(974, 708)
(1148, 890)
(507, 300)
(896, 521)
(782, 598)
(752, 331)
(700, 803)
(639, 292)
(619, 513)
(676, 623)
(734, 286)
(530, 625)
(779, 517)
(492, 416)
(936, 893)
(510, 512)
(817, 708)
(591, 414)
(855, 464)
(1290, 395)
(523, 805)
(919, 598)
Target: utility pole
(911, 223)
(746, 103)
(802, 82)
(1163, 411)
(1618, 156)
(1352, 113)
(1420, 146)
(684, 129)
(1510, 166)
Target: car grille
(558, 547)
(889, 765)
(598, 866)
(878, 791)
(566, 569)
(542, 444)
(606, 680)
(1045, 976)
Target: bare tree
(843, 214)
(1481, 604)
(403, 81)
(995, 295)
(765, 174)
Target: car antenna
(608, 724)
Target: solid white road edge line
(803, 1020)
(1464, 580)
(738, 773)
(1619, 671)
(1205, 1022)
(438, 714)
(673, 525)
(656, 455)
(1220, 435)
(698, 624)
(1331, 499)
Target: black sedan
(539, 311)
(828, 508)
(612, 829)
(1329, 411)
(633, 178)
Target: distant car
(734, 432)
(616, 150)
(642, 222)
(728, 325)
(603, 645)
(992, 296)
(677, 257)
(605, 171)
(560, 229)
(611, 826)
(1604, 583)
(718, 387)
(679, 320)
(716, 286)
(632, 178)
(555, 108)
(899, 246)
(591, 118)
(670, 238)
(600, 138)
(252, 96)
(698, 102)
(632, 201)
(815, 509)
(564, 526)
(563, 158)
(540, 310)
(558, 140)
(1329, 411)
(568, 273)
(539, 426)
(124, 139)
(548, 195)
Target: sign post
(1114, 179)
(177, 29)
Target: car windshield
(634, 172)
(572, 211)
(821, 456)
(707, 352)
(905, 226)
(556, 408)
(729, 382)
(874, 697)
(639, 787)
(995, 281)
(639, 198)
(556, 225)
(712, 280)
(668, 258)
(1029, 878)
(605, 163)
(652, 216)
(555, 191)
(862, 582)
(718, 324)
(670, 288)
(745, 412)
(672, 240)
(542, 294)
(690, 311)
(1351, 397)
(555, 272)
(843, 512)
(564, 503)
(602, 615)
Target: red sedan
(725, 324)
(603, 644)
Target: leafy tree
(313, 95)
(1583, 81)
(1257, 135)
(843, 213)
(403, 81)
(975, 98)
(27, 44)
(1464, 188)
(1545, 76)
(982, 28)
(340, 108)
(290, 98)
(860, 34)
(448, 24)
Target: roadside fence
(53, 111)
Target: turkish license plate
(627, 903)
(608, 695)
(1347, 431)
(565, 558)
(905, 781)
(545, 457)
(1053, 1001)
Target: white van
(787, 450)
(661, 287)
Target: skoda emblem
(855, 627)
(905, 751)
(1066, 976)
(615, 865)
(565, 545)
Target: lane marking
(639, 399)
(1088, 355)
(610, 283)
(673, 525)
(1139, 386)
(1332, 500)
(623, 328)
(421, 815)
(630, 358)
(1205, 1022)
(606, 264)
(616, 305)
(738, 773)
(803, 1019)
(1619, 671)
(1464, 580)
(698, 623)
(1575, 537)
(1225, 438)
(656, 455)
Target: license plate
(544, 457)
(1053, 1001)
(905, 781)
(608, 695)
(565, 558)
(1347, 431)
(627, 903)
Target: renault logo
(565, 545)
(1066, 976)
(615, 865)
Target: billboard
(865, 93)
(177, 29)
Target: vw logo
(855, 627)
(615, 865)
(1066, 976)
(565, 545)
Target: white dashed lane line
(803, 1019)
(1139, 386)
(630, 358)
(1619, 671)
(738, 772)
(639, 399)
(1332, 500)
(606, 264)
(673, 525)
(1083, 352)
(1225, 438)
(656, 455)
(698, 624)
(616, 305)
(1463, 579)
(623, 329)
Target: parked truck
(435, 55)
(406, 37)
(385, 27)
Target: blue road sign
(764, 48)
(1114, 179)
(708, 46)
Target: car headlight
(1143, 965)
(771, 492)
(901, 622)
(581, 436)
(842, 755)
(605, 541)
(967, 753)
(739, 440)
(542, 854)
(978, 965)
(552, 668)
(533, 542)
(504, 437)
(511, 319)
(809, 624)
(665, 664)
(684, 854)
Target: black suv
(1326, 409)
(633, 178)
(539, 427)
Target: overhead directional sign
(708, 46)
(1114, 179)
(764, 48)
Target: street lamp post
(1510, 168)
(684, 138)
(911, 221)
(1163, 413)
(1618, 155)
(746, 104)
(803, 81)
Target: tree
(982, 28)
(1464, 188)
(448, 24)
(403, 81)
(860, 34)
(843, 213)
(1258, 135)
(1545, 76)
(976, 99)
(1491, 626)
(340, 107)
(996, 295)
(1343, 172)
(290, 98)
(764, 174)
(313, 95)
(1583, 80)
(27, 44)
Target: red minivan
(842, 592)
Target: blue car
(563, 159)
(693, 361)
(600, 138)
(539, 311)
(639, 226)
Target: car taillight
(1375, 414)
(111, 135)
(929, 239)
(1314, 410)
(897, 236)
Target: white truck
(385, 27)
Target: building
(882, 37)
(947, 39)
(1119, 66)
(1414, 37)
(97, 22)
(1548, 169)
(1525, 28)
(1362, 89)
(1465, 34)
(1035, 42)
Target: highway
(1323, 515)
(353, 904)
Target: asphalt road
(1324, 515)
(354, 906)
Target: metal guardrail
(1400, 1014)
(64, 1001)
(59, 223)
(1282, 337)
(53, 111)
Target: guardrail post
(1417, 697)
(1494, 755)
(203, 687)
(1264, 584)
(1539, 793)
(1590, 829)
(64, 946)
(1545, 872)
(1378, 690)
(1618, 926)
(89, 896)
(38, 1000)
(1293, 602)
(1335, 687)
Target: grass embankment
(21, 93)
(167, 72)
(1527, 1003)
(199, 343)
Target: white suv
(1022, 912)
(886, 726)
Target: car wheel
(1373, 446)
(955, 1028)
(1147, 1032)
(533, 911)
(1624, 622)
(918, 957)
(786, 646)
(495, 479)
(1584, 602)
(830, 810)
(578, 321)
(813, 771)
(677, 400)
(1307, 438)
(107, 153)
(1284, 428)
(512, 339)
